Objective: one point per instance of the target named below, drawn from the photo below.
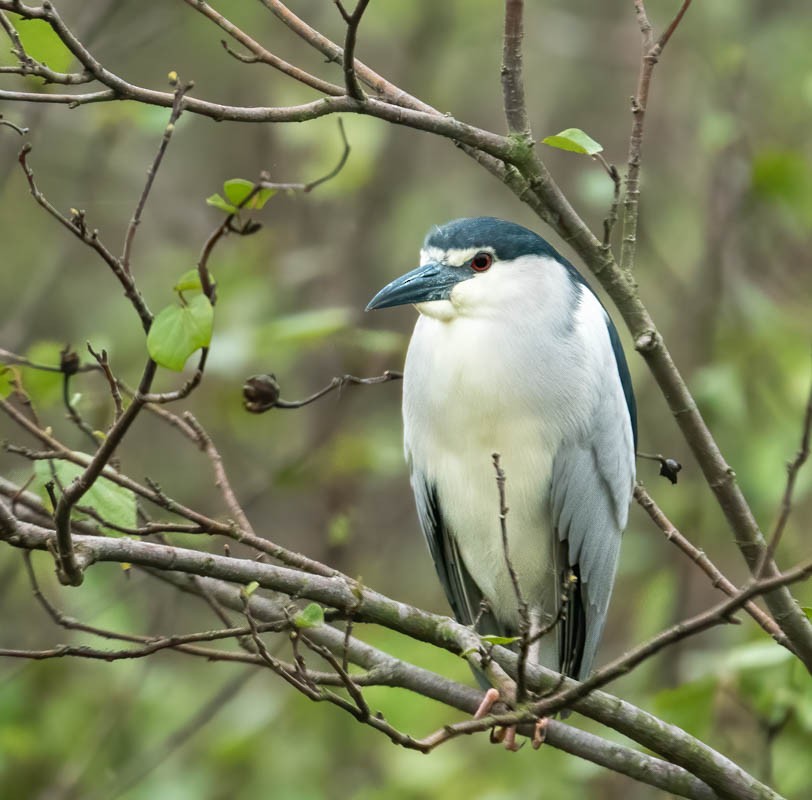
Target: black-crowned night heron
(514, 354)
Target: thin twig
(348, 60)
(30, 66)
(512, 78)
(310, 185)
(104, 364)
(8, 123)
(156, 495)
(69, 362)
(259, 54)
(793, 468)
(221, 478)
(611, 218)
(177, 109)
(650, 56)
(7, 357)
(521, 603)
(76, 225)
(718, 580)
(160, 398)
(261, 392)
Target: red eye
(481, 262)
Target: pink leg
(540, 733)
(488, 702)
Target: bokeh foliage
(723, 264)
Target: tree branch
(718, 580)
(793, 468)
(651, 55)
(369, 606)
(77, 226)
(180, 91)
(390, 671)
(259, 54)
(512, 79)
(348, 58)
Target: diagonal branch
(696, 555)
(77, 226)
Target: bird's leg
(488, 702)
(506, 735)
(497, 735)
(539, 732)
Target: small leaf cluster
(240, 194)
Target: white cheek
(474, 293)
(437, 309)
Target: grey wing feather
(590, 492)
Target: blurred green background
(724, 265)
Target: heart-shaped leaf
(179, 330)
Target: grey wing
(591, 487)
(464, 596)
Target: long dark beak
(429, 282)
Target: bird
(513, 354)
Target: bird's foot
(505, 736)
(539, 733)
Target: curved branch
(390, 671)
(362, 604)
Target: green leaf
(218, 202)
(188, 282)
(500, 639)
(250, 589)
(574, 140)
(237, 189)
(311, 616)
(112, 502)
(178, 331)
(808, 611)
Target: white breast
(478, 385)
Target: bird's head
(477, 265)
